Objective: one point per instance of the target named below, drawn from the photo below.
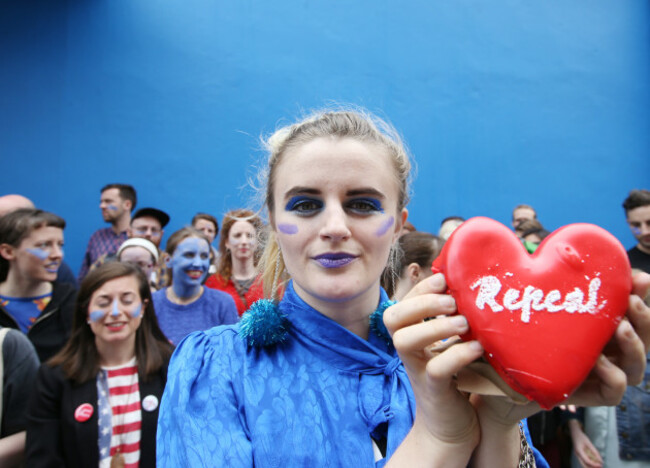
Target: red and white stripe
(124, 398)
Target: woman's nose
(335, 225)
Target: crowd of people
(304, 341)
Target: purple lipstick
(334, 260)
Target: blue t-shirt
(211, 309)
(25, 310)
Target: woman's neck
(17, 285)
(183, 296)
(115, 354)
(243, 269)
(352, 314)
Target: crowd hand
(584, 449)
(445, 424)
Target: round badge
(83, 412)
(150, 403)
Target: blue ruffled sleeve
(201, 421)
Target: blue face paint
(286, 228)
(189, 265)
(304, 206)
(136, 312)
(112, 207)
(636, 231)
(41, 254)
(386, 225)
(365, 205)
(115, 311)
(97, 315)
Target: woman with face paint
(31, 252)
(186, 305)
(96, 402)
(315, 379)
(238, 248)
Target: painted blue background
(501, 102)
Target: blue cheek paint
(136, 313)
(111, 207)
(193, 254)
(383, 229)
(286, 228)
(97, 315)
(636, 231)
(41, 254)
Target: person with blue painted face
(96, 402)
(186, 305)
(31, 300)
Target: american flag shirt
(120, 416)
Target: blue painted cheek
(97, 315)
(636, 231)
(136, 313)
(41, 254)
(111, 207)
(289, 229)
(386, 225)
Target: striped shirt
(120, 417)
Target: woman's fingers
(631, 351)
(604, 387)
(638, 312)
(452, 360)
(415, 338)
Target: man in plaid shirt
(117, 202)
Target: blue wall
(505, 102)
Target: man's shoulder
(101, 233)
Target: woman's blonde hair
(356, 124)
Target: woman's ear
(399, 223)
(413, 272)
(7, 252)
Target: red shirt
(254, 293)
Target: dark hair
(79, 358)
(207, 217)
(414, 247)
(636, 198)
(127, 192)
(530, 226)
(19, 224)
(224, 266)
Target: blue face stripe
(41, 254)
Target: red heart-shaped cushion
(543, 319)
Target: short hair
(452, 218)
(528, 207)
(179, 236)
(127, 192)
(79, 358)
(636, 198)
(19, 224)
(413, 247)
(207, 217)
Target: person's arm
(200, 422)
(446, 430)
(12, 450)
(43, 447)
(584, 449)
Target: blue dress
(314, 400)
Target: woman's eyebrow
(301, 191)
(365, 191)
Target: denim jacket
(633, 420)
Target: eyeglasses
(153, 232)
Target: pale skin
(241, 243)
(328, 202)
(115, 210)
